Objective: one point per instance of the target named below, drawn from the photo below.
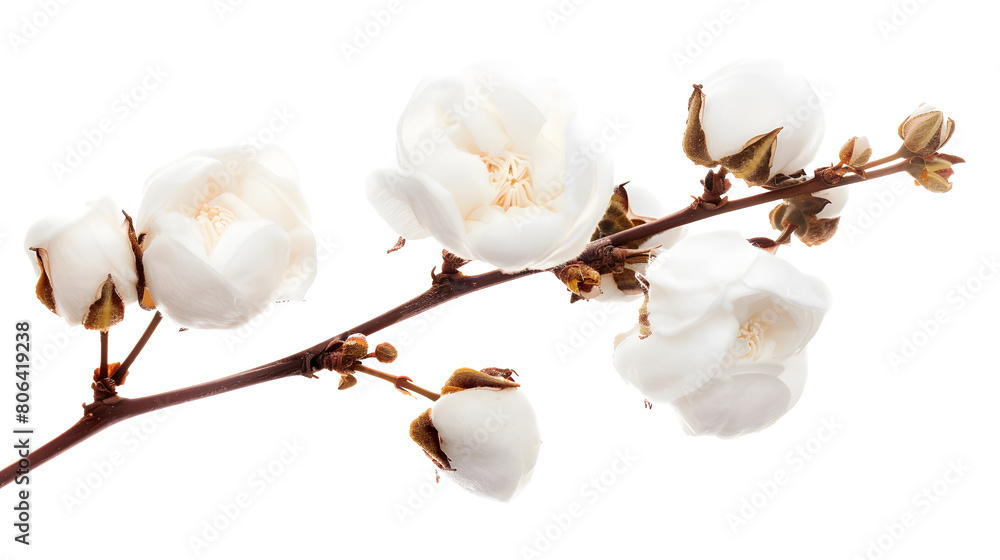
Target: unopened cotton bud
(85, 264)
(933, 173)
(856, 152)
(926, 130)
(756, 119)
(356, 346)
(386, 353)
(482, 433)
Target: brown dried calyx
(423, 432)
(468, 378)
(695, 144)
(583, 277)
(107, 311)
(145, 300)
(619, 217)
(752, 163)
(43, 290)
(800, 211)
(450, 265)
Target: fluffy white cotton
(226, 232)
(752, 97)
(78, 251)
(494, 172)
(747, 397)
(491, 439)
(720, 309)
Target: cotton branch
(101, 415)
(446, 287)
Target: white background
(359, 487)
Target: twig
(400, 382)
(104, 354)
(119, 376)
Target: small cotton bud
(581, 279)
(356, 347)
(740, 118)
(856, 152)
(85, 265)
(385, 353)
(484, 438)
(933, 173)
(926, 130)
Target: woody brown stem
(693, 214)
(104, 354)
(119, 376)
(902, 152)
